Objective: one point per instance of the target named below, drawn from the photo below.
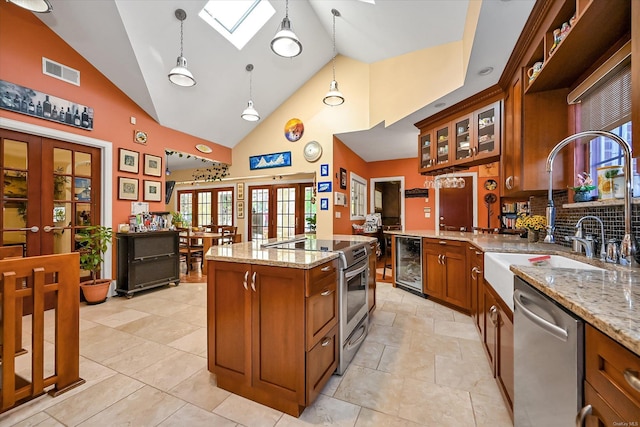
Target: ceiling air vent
(59, 71)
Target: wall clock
(312, 151)
(140, 137)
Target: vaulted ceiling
(135, 44)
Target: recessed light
(440, 105)
(485, 71)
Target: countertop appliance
(352, 289)
(548, 358)
(408, 268)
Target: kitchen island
(273, 321)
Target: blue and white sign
(324, 187)
(324, 204)
(324, 170)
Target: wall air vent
(59, 71)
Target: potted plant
(94, 241)
(177, 219)
(311, 220)
(583, 188)
(534, 224)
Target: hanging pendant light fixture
(334, 97)
(285, 43)
(40, 6)
(179, 74)
(250, 114)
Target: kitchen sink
(498, 274)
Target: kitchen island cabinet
(272, 331)
(445, 272)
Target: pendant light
(334, 97)
(250, 114)
(40, 6)
(285, 43)
(180, 75)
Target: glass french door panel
(225, 207)
(309, 209)
(259, 214)
(286, 212)
(14, 190)
(185, 206)
(204, 208)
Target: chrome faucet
(587, 244)
(628, 245)
(603, 251)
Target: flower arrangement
(531, 222)
(584, 182)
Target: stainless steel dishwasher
(549, 360)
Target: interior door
(456, 206)
(50, 191)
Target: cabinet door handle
(439, 258)
(509, 182)
(474, 273)
(586, 410)
(253, 281)
(444, 259)
(470, 152)
(632, 378)
(479, 253)
(326, 293)
(326, 341)
(244, 282)
(493, 312)
(327, 268)
(442, 242)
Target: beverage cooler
(408, 266)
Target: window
(358, 197)
(237, 20)
(198, 207)
(309, 209)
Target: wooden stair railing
(59, 274)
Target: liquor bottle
(54, 113)
(39, 109)
(16, 103)
(63, 115)
(24, 106)
(69, 116)
(85, 118)
(76, 118)
(31, 109)
(46, 108)
(6, 100)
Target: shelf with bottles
(569, 48)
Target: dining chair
(228, 234)
(190, 250)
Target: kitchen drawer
(602, 415)
(322, 361)
(322, 312)
(606, 362)
(319, 277)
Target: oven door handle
(348, 275)
(350, 344)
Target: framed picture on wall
(240, 195)
(152, 165)
(129, 161)
(343, 179)
(152, 191)
(127, 188)
(240, 209)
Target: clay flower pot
(95, 293)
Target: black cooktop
(315, 245)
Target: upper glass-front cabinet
(487, 131)
(426, 159)
(442, 138)
(463, 131)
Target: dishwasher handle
(554, 330)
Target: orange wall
(24, 40)
(413, 207)
(344, 157)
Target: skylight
(237, 20)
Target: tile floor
(144, 362)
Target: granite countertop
(606, 299)
(251, 252)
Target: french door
(50, 191)
(205, 207)
(281, 210)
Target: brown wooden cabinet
(611, 398)
(469, 139)
(444, 263)
(272, 331)
(475, 276)
(371, 287)
(495, 322)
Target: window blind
(609, 104)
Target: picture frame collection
(129, 188)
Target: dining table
(208, 239)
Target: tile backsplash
(566, 218)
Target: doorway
(387, 199)
(457, 208)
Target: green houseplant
(94, 242)
(177, 219)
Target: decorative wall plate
(140, 137)
(293, 130)
(490, 185)
(203, 148)
(312, 151)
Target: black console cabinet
(147, 260)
